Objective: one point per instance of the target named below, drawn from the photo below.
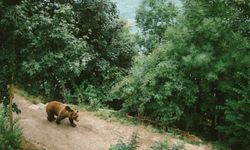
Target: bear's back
(54, 106)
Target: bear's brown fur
(61, 111)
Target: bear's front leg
(72, 122)
(58, 119)
(51, 118)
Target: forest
(187, 68)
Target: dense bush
(10, 139)
(156, 88)
(198, 76)
(64, 47)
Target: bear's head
(72, 113)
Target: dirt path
(92, 133)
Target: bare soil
(91, 133)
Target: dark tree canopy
(197, 78)
(59, 49)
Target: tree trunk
(11, 96)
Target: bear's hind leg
(51, 116)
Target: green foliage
(160, 146)
(220, 146)
(153, 18)
(178, 146)
(113, 47)
(156, 88)
(236, 118)
(64, 48)
(218, 60)
(165, 146)
(10, 46)
(132, 145)
(54, 54)
(6, 28)
(10, 139)
(197, 76)
(73, 48)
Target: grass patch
(186, 137)
(133, 144)
(118, 116)
(27, 145)
(30, 98)
(121, 117)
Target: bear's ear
(68, 108)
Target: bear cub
(61, 111)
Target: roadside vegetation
(133, 144)
(10, 136)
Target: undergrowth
(10, 139)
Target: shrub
(165, 146)
(132, 145)
(178, 146)
(160, 146)
(10, 139)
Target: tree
(218, 58)
(205, 73)
(111, 48)
(72, 50)
(156, 89)
(153, 18)
(54, 54)
(9, 52)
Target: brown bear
(61, 111)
